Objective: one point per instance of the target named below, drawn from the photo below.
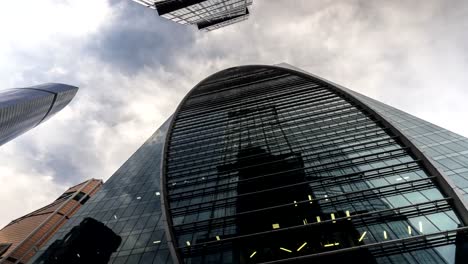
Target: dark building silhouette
(270, 164)
(206, 15)
(89, 242)
(21, 109)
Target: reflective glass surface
(24, 108)
(122, 223)
(207, 15)
(449, 150)
(264, 165)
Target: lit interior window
(318, 219)
(253, 254)
(303, 245)
(158, 193)
(333, 217)
(385, 234)
(285, 249)
(310, 198)
(275, 226)
(409, 230)
(188, 243)
(362, 236)
(218, 238)
(331, 244)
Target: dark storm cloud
(137, 37)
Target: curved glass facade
(24, 108)
(266, 165)
(448, 150)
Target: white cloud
(24, 190)
(39, 22)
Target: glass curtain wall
(122, 223)
(264, 165)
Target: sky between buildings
(133, 68)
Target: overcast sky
(133, 68)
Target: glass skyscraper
(270, 164)
(21, 109)
(207, 15)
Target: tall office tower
(129, 203)
(21, 109)
(270, 164)
(21, 238)
(207, 15)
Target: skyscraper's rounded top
(24, 108)
(55, 87)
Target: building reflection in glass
(129, 203)
(264, 179)
(89, 242)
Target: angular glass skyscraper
(270, 164)
(207, 15)
(21, 109)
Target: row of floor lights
(361, 238)
(337, 243)
(305, 222)
(332, 215)
(410, 231)
(298, 249)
